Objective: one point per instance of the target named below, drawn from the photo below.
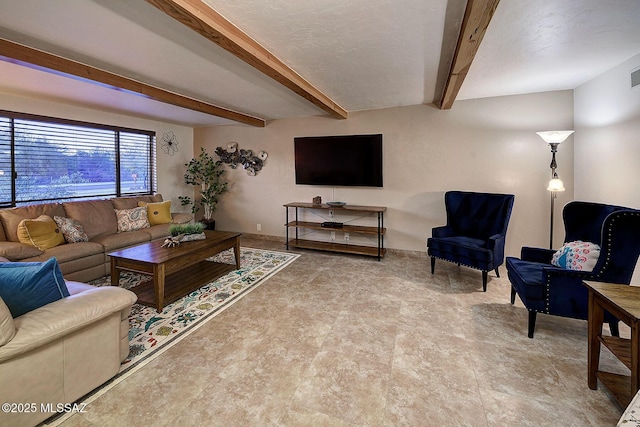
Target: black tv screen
(344, 160)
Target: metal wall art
(233, 157)
(169, 143)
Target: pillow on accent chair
(577, 255)
(71, 229)
(158, 213)
(25, 286)
(42, 232)
(132, 219)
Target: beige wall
(607, 152)
(170, 168)
(479, 145)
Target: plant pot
(210, 224)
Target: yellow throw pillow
(42, 232)
(158, 213)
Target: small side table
(622, 301)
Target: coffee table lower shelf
(181, 283)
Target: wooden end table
(623, 301)
(175, 271)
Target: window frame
(151, 135)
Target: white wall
(607, 151)
(479, 145)
(170, 168)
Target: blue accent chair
(475, 232)
(545, 288)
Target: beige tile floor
(342, 340)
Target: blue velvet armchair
(546, 288)
(475, 232)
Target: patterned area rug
(150, 331)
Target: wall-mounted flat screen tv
(344, 160)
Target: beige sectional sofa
(87, 260)
(57, 353)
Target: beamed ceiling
(212, 62)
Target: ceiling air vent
(635, 78)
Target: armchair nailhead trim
(461, 263)
(607, 262)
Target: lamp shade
(555, 185)
(555, 136)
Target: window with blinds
(46, 159)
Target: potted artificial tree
(206, 173)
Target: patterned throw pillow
(72, 230)
(132, 219)
(578, 255)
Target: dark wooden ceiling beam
(201, 18)
(477, 16)
(33, 58)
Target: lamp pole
(554, 175)
(554, 138)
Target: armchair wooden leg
(497, 272)
(484, 281)
(532, 322)
(513, 295)
(615, 330)
(433, 264)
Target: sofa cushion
(71, 229)
(25, 286)
(77, 287)
(42, 232)
(96, 216)
(17, 251)
(132, 201)
(7, 328)
(158, 213)
(132, 219)
(11, 218)
(122, 240)
(160, 231)
(66, 253)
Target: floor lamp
(554, 138)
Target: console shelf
(378, 231)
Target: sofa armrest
(536, 254)
(62, 317)
(7, 328)
(181, 218)
(442, 231)
(15, 251)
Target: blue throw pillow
(25, 286)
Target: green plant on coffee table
(177, 229)
(205, 172)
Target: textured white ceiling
(544, 45)
(364, 54)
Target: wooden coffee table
(175, 271)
